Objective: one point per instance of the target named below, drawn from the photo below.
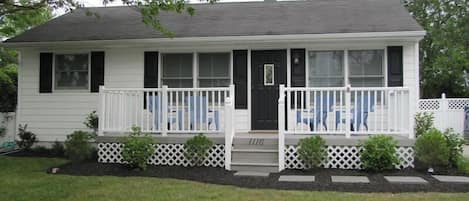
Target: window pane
(71, 71)
(326, 68)
(366, 62)
(177, 65)
(178, 83)
(366, 68)
(214, 64)
(214, 83)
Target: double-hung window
(177, 70)
(326, 68)
(214, 69)
(366, 68)
(71, 71)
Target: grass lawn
(25, 179)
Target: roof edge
(407, 35)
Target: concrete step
(255, 143)
(255, 155)
(255, 167)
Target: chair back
(197, 108)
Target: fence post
(348, 100)
(281, 128)
(444, 111)
(164, 110)
(101, 111)
(229, 130)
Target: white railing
(447, 112)
(164, 110)
(346, 110)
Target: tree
(444, 52)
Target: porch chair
(317, 111)
(157, 114)
(198, 112)
(359, 110)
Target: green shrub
(196, 149)
(423, 122)
(3, 131)
(91, 122)
(463, 165)
(379, 153)
(78, 147)
(312, 151)
(138, 148)
(27, 138)
(57, 149)
(432, 149)
(8, 88)
(455, 145)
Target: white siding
(123, 68)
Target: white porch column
(281, 128)
(164, 106)
(101, 111)
(229, 129)
(348, 108)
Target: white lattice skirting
(165, 154)
(345, 157)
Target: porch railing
(346, 110)
(164, 110)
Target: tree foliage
(444, 52)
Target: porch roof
(230, 19)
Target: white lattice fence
(165, 154)
(345, 157)
(448, 112)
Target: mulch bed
(220, 176)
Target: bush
(196, 149)
(455, 146)
(8, 88)
(379, 153)
(27, 138)
(432, 149)
(423, 122)
(78, 147)
(463, 165)
(3, 131)
(57, 149)
(91, 122)
(312, 151)
(138, 148)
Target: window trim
(54, 88)
(346, 63)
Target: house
(255, 77)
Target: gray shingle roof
(231, 19)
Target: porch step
(254, 167)
(255, 143)
(255, 155)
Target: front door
(268, 71)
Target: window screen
(214, 69)
(71, 71)
(177, 70)
(366, 68)
(326, 68)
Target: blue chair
(198, 112)
(320, 114)
(157, 115)
(360, 111)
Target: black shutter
(395, 66)
(150, 78)
(97, 70)
(45, 72)
(240, 79)
(298, 74)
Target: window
(269, 75)
(326, 68)
(71, 71)
(177, 70)
(366, 68)
(214, 69)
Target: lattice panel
(429, 104)
(345, 157)
(165, 154)
(458, 104)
